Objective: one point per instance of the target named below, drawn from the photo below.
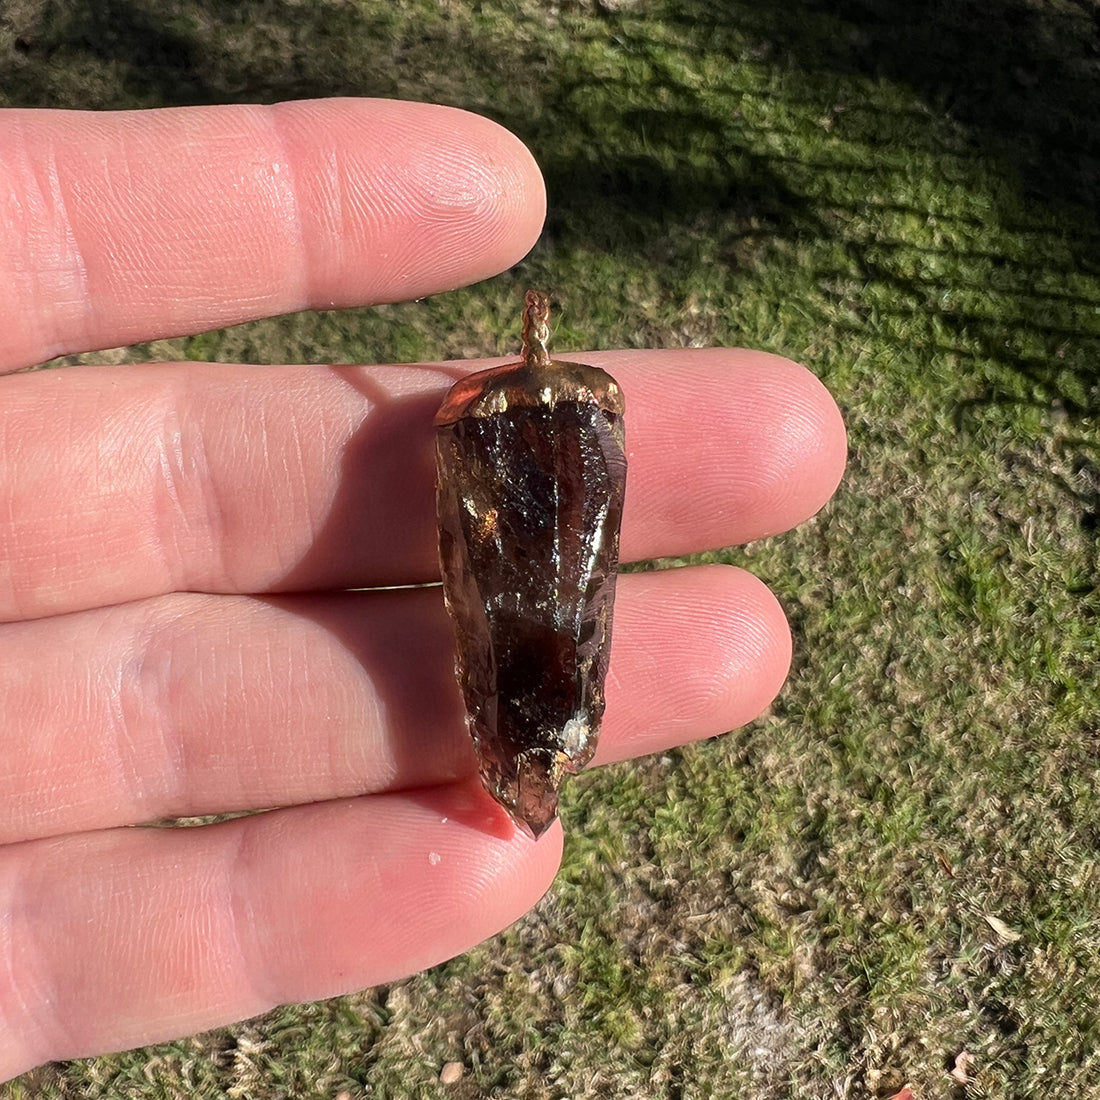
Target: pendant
(531, 467)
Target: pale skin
(176, 541)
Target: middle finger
(119, 483)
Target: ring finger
(196, 704)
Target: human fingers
(123, 937)
(129, 225)
(194, 704)
(224, 478)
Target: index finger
(126, 226)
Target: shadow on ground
(1022, 78)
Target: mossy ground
(902, 860)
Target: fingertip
(726, 445)
(799, 444)
(707, 649)
(810, 440)
(454, 871)
(513, 192)
(755, 646)
(402, 199)
(466, 869)
(742, 653)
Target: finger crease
(144, 702)
(186, 507)
(56, 258)
(284, 183)
(241, 932)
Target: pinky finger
(115, 939)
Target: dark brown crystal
(531, 475)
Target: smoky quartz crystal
(531, 475)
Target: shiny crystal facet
(532, 470)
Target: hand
(150, 514)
